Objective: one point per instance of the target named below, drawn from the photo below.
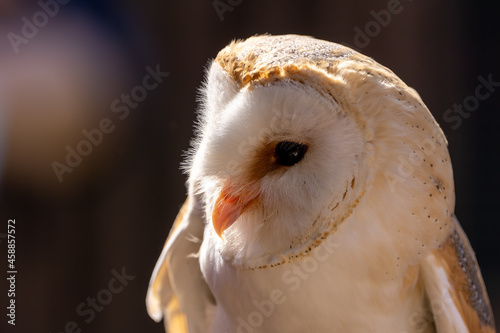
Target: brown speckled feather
(460, 290)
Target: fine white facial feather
(284, 221)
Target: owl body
(330, 291)
(320, 199)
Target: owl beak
(228, 208)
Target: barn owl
(320, 199)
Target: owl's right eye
(288, 153)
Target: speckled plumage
(358, 236)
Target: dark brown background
(115, 209)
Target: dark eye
(288, 153)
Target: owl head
(299, 137)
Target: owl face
(294, 134)
(275, 168)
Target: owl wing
(177, 291)
(455, 288)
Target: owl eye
(289, 153)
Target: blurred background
(72, 82)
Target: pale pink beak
(228, 208)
